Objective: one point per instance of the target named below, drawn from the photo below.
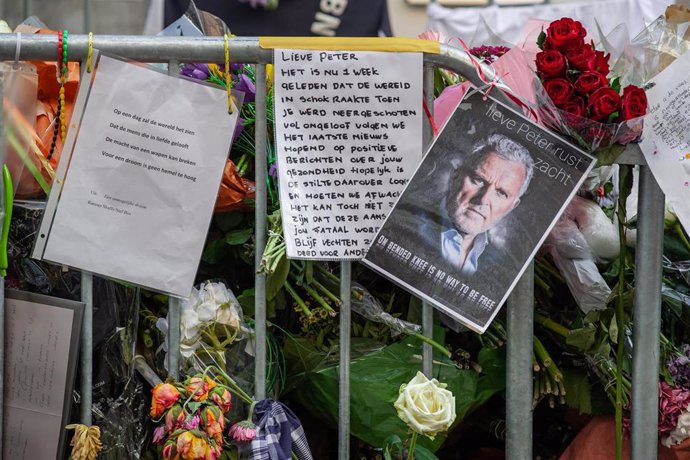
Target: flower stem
(431, 342)
(297, 298)
(413, 446)
(551, 325)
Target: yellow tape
(390, 44)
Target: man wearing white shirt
(485, 189)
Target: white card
(666, 138)
(143, 177)
(348, 138)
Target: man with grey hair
(482, 191)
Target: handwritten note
(666, 138)
(37, 364)
(348, 137)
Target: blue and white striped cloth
(278, 433)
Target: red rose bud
(602, 103)
(588, 82)
(565, 33)
(575, 106)
(559, 90)
(170, 449)
(634, 103)
(550, 64)
(579, 57)
(599, 63)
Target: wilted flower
(426, 406)
(246, 85)
(214, 422)
(192, 424)
(159, 434)
(222, 398)
(164, 396)
(681, 432)
(243, 431)
(174, 418)
(192, 447)
(170, 449)
(672, 403)
(199, 387)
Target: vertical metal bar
(2, 278)
(86, 360)
(260, 235)
(344, 393)
(28, 8)
(87, 16)
(174, 304)
(519, 372)
(647, 317)
(427, 309)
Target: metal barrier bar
(260, 234)
(344, 377)
(86, 352)
(174, 304)
(519, 370)
(428, 136)
(647, 318)
(2, 278)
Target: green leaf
(229, 220)
(578, 394)
(613, 330)
(214, 252)
(246, 300)
(582, 339)
(616, 84)
(236, 237)
(422, 453)
(541, 39)
(608, 155)
(276, 280)
(612, 117)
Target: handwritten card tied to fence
(666, 138)
(143, 177)
(348, 137)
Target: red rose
(579, 57)
(565, 33)
(588, 82)
(602, 103)
(599, 63)
(551, 64)
(634, 103)
(559, 90)
(575, 106)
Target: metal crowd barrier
(647, 300)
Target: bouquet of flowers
(577, 96)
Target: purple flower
(273, 170)
(198, 71)
(193, 424)
(679, 368)
(239, 127)
(488, 54)
(159, 434)
(246, 85)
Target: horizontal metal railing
(520, 304)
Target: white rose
(426, 406)
(681, 432)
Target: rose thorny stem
(413, 445)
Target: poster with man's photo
(477, 209)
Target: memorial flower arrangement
(578, 96)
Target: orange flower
(222, 398)
(200, 387)
(164, 396)
(174, 418)
(214, 422)
(195, 448)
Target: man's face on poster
(483, 195)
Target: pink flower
(159, 434)
(243, 431)
(193, 424)
(672, 403)
(432, 36)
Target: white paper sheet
(37, 357)
(666, 137)
(142, 182)
(348, 138)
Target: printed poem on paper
(348, 137)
